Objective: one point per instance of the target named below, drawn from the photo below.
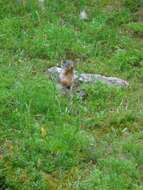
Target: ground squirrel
(68, 81)
(66, 77)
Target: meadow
(48, 142)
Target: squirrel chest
(66, 77)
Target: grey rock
(54, 72)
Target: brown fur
(67, 77)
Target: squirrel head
(68, 65)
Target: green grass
(136, 27)
(52, 142)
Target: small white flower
(83, 15)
